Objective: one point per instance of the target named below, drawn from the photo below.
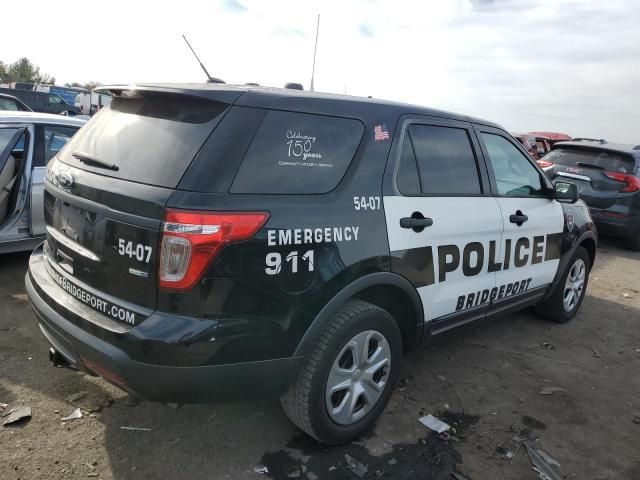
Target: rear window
(295, 153)
(152, 138)
(609, 161)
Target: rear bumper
(159, 383)
(615, 226)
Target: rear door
(444, 227)
(533, 223)
(597, 173)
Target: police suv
(206, 242)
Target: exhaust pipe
(57, 359)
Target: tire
(307, 402)
(633, 242)
(555, 308)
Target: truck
(68, 94)
(91, 102)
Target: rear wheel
(348, 378)
(567, 298)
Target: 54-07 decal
(140, 252)
(366, 203)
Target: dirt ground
(485, 380)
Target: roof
(551, 135)
(523, 135)
(37, 117)
(271, 97)
(628, 149)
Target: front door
(443, 224)
(533, 223)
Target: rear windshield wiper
(589, 165)
(94, 161)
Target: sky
(569, 66)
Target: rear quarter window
(298, 153)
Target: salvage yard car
(11, 103)
(27, 142)
(205, 241)
(41, 102)
(535, 145)
(608, 179)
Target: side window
(13, 143)
(445, 159)
(295, 153)
(9, 141)
(408, 180)
(8, 104)
(55, 137)
(515, 175)
(54, 99)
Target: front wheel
(348, 378)
(567, 298)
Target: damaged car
(209, 242)
(27, 142)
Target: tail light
(192, 239)
(544, 163)
(632, 183)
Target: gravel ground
(485, 380)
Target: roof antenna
(315, 49)
(210, 79)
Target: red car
(536, 146)
(552, 137)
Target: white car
(28, 141)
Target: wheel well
(399, 305)
(590, 246)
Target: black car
(206, 241)
(41, 101)
(608, 179)
(11, 103)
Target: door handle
(518, 218)
(417, 224)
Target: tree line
(25, 71)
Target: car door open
(10, 169)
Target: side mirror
(566, 192)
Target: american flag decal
(380, 133)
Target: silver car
(28, 141)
